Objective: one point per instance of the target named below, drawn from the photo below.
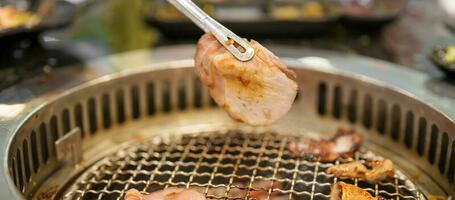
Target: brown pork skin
(345, 191)
(258, 92)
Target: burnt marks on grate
(223, 166)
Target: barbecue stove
(142, 120)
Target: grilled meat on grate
(344, 143)
(348, 170)
(380, 170)
(344, 191)
(166, 194)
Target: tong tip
(239, 49)
(246, 55)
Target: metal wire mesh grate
(235, 165)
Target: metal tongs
(233, 43)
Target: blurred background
(37, 37)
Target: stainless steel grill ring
(154, 125)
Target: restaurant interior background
(404, 32)
(101, 97)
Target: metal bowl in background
(60, 16)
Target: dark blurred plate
(22, 44)
(254, 19)
(258, 28)
(61, 15)
(372, 14)
(437, 56)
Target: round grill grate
(231, 165)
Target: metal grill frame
(211, 150)
(36, 108)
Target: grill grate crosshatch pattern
(223, 166)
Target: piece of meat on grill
(379, 171)
(259, 191)
(263, 188)
(258, 92)
(344, 143)
(165, 194)
(348, 170)
(345, 191)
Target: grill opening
(13, 171)
(396, 121)
(337, 104)
(352, 106)
(106, 111)
(451, 173)
(432, 147)
(26, 161)
(66, 121)
(34, 152)
(135, 102)
(19, 177)
(78, 118)
(409, 129)
(382, 116)
(54, 128)
(92, 115)
(422, 136)
(119, 97)
(443, 152)
(151, 98)
(44, 144)
(322, 98)
(367, 111)
(198, 88)
(166, 95)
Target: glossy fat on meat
(347, 142)
(257, 92)
(344, 143)
(344, 191)
(166, 194)
(314, 149)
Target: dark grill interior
(223, 166)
